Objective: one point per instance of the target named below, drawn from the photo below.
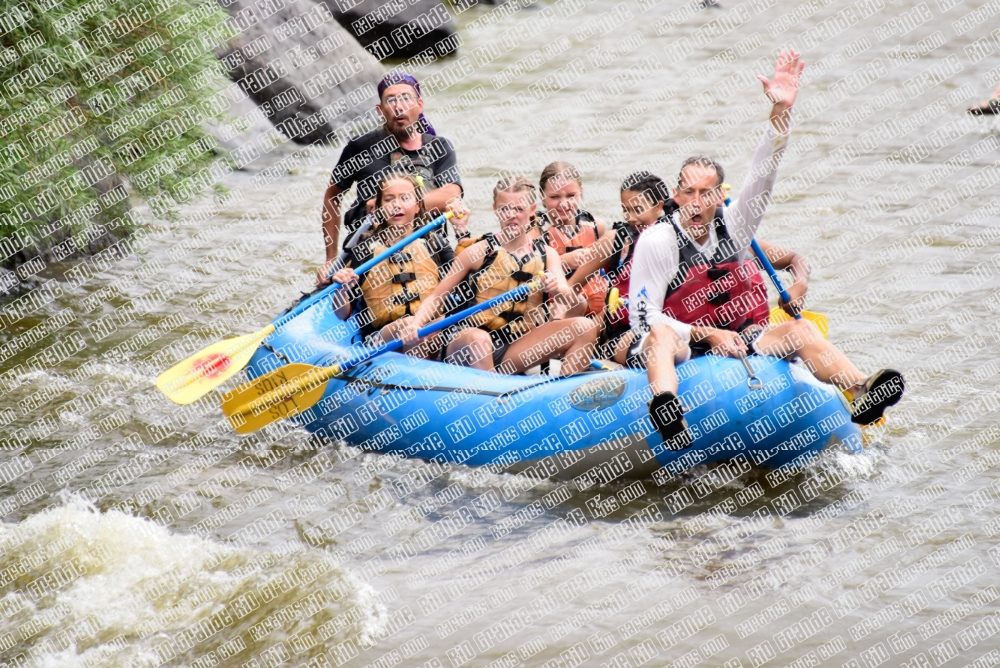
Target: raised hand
(783, 87)
(785, 84)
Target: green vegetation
(101, 100)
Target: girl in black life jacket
(643, 196)
(395, 287)
(514, 336)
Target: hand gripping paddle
(192, 378)
(778, 314)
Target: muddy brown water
(202, 548)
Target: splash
(79, 587)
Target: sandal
(987, 108)
(667, 414)
(883, 389)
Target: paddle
(295, 388)
(192, 378)
(779, 314)
(341, 261)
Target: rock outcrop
(245, 133)
(307, 74)
(398, 28)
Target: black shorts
(502, 340)
(610, 343)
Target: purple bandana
(394, 78)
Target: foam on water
(483, 478)
(856, 465)
(82, 587)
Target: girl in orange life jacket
(516, 336)
(395, 287)
(569, 229)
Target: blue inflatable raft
(592, 428)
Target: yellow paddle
(295, 388)
(192, 378)
(777, 314)
(280, 394)
(818, 319)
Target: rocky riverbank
(312, 67)
(307, 74)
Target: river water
(139, 533)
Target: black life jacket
(619, 271)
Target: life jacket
(619, 271)
(596, 289)
(395, 287)
(585, 234)
(725, 291)
(500, 273)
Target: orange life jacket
(596, 289)
(585, 234)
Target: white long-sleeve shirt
(657, 257)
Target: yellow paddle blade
(818, 319)
(615, 301)
(191, 379)
(277, 395)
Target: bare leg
(620, 353)
(663, 349)
(471, 347)
(824, 360)
(426, 348)
(870, 396)
(572, 339)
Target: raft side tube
(592, 428)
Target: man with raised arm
(689, 294)
(406, 143)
